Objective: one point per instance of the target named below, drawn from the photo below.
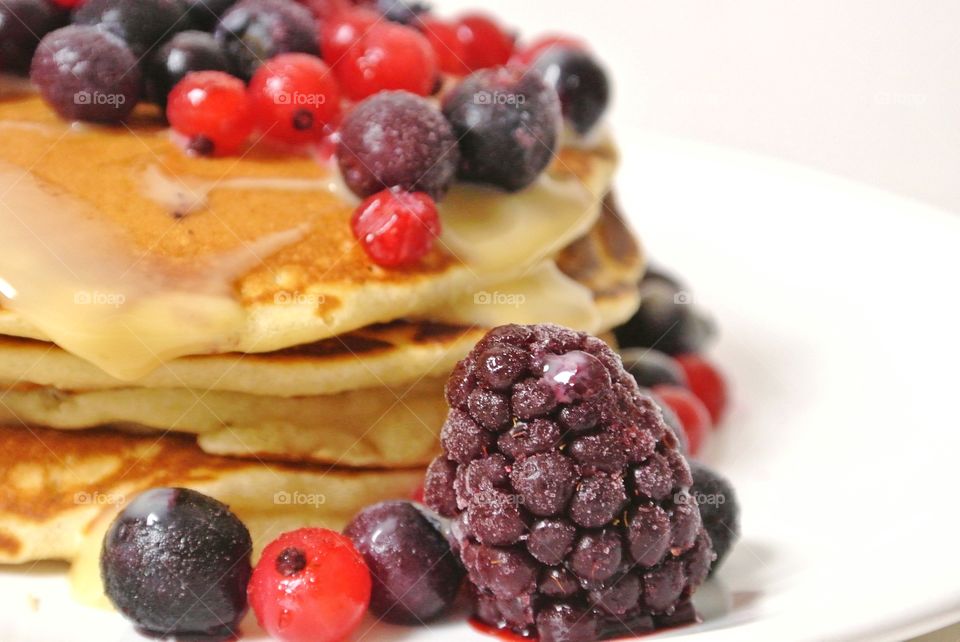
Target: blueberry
(666, 321)
(415, 575)
(22, 24)
(508, 124)
(582, 84)
(253, 31)
(403, 11)
(397, 139)
(204, 14)
(653, 368)
(185, 52)
(144, 25)
(87, 74)
(719, 509)
(177, 564)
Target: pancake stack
(213, 324)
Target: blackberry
(186, 52)
(719, 509)
(508, 123)
(168, 548)
(397, 139)
(144, 25)
(253, 31)
(22, 24)
(87, 74)
(582, 84)
(415, 577)
(568, 515)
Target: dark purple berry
(505, 572)
(546, 482)
(186, 52)
(551, 540)
(719, 509)
(490, 408)
(397, 139)
(532, 398)
(253, 31)
(598, 500)
(530, 438)
(204, 14)
(599, 452)
(664, 585)
(494, 518)
(619, 596)
(144, 25)
(165, 550)
(501, 366)
(558, 583)
(22, 24)
(597, 556)
(405, 12)
(648, 534)
(581, 83)
(508, 124)
(464, 439)
(438, 487)
(653, 368)
(666, 321)
(87, 74)
(653, 479)
(562, 622)
(415, 576)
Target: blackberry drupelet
(561, 478)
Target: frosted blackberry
(22, 24)
(565, 509)
(508, 123)
(719, 509)
(144, 25)
(253, 31)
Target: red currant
(295, 98)
(485, 43)
(310, 585)
(691, 412)
(706, 382)
(325, 9)
(388, 56)
(396, 228)
(528, 54)
(68, 4)
(212, 110)
(450, 50)
(343, 31)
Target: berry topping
(294, 98)
(169, 547)
(447, 45)
(471, 43)
(707, 384)
(204, 14)
(310, 585)
(666, 320)
(403, 11)
(387, 56)
(581, 83)
(574, 531)
(22, 24)
(396, 139)
(508, 124)
(185, 52)
(87, 74)
(144, 25)
(693, 415)
(342, 31)
(719, 509)
(253, 31)
(211, 109)
(653, 368)
(415, 576)
(396, 228)
(528, 54)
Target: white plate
(839, 311)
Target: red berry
(68, 4)
(343, 31)
(295, 98)
(706, 382)
(691, 412)
(528, 54)
(325, 9)
(417, 495)
(212, 110)
(310, 585)
(445, 41)
(396, 228)
(388, 56)
(485, 43)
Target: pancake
(597, 285)
(172, 256)
(379, 427)
(59, 491)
